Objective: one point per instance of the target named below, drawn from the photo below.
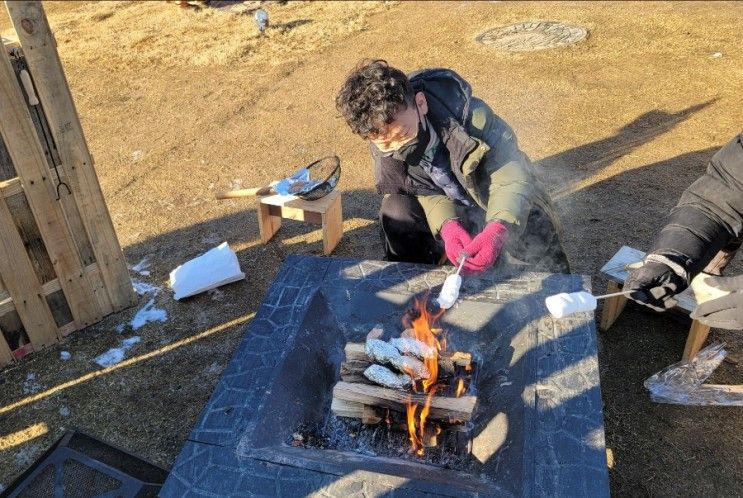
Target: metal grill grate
(83, 466)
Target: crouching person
(453, 177)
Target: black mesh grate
(83, 466)
(42, 485)
(81, 481)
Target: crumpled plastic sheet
(683, 383)
(299, 183)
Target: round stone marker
(532, 35)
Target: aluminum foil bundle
(414, 347)
(387, 354)
(387, 378)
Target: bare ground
(177, 104)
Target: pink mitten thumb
(455, 238)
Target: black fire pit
(537, 429)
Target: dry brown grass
(178, 103)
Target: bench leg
(697, 335)
(613, 306)
(268, 224)
(332, 226)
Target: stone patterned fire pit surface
(537, 429)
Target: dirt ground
(177, 104)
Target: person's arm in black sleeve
(708, 216)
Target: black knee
(405, 231)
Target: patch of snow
(148, 314)
(65, 355)
(120, 328)
(30, 386)
(64, 411)
(27, 454)
(116, 355)
(717, 55)
(143, 288)
(142, 267)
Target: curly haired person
(452, 175)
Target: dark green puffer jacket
(484, 156)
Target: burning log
(352, 370)
(442, 408)
(448, 362)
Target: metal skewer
(615, 294)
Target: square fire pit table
(537, 429)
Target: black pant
(407, 237)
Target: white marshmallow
(565, 304)
(450, 291)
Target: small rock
(717, 55)
(65, 355)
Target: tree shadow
(567, 166)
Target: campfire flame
(429, 335)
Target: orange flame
(415, 442)
(460, 387)
(428, 335)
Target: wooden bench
(617, 270)
(327, 212)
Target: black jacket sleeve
(709, 214)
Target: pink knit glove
(485, 247)
(455, 237)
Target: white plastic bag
(214, 268)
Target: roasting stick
(615, 294)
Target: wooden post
(268, 223)
(6, 355)
(40, 50)
(29, 301)
(24, 148)
(332, 226)
(694, 341)
(613, 306)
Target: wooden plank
(6, 305)
(332, 225)
(95, 280)
(725, 388)
(296, 214)
(25, 149)
(30, 233)
(694, 341)
(6, 355)
(24, 287)
(613, 306)
(40, 50)
(7, 170)
(11, 187)
(442, 408)
(268, 224)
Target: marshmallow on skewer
(450, 291)
(565, 304)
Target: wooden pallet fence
(61, 265)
